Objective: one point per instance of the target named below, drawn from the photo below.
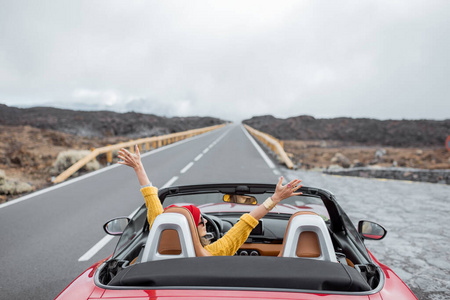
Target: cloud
(230, 59)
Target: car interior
(308, 244)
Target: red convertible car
(305, 248)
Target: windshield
(212, 202)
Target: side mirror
(240, 199)
(116, 226)
(371, 231)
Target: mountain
(100, 123)
(395, 133)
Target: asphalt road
(43, 236)
(49, 237)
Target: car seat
(173, 234)
(307, 236)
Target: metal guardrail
(274, 144)
(150, 143)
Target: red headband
(193, 209)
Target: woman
(236, 236)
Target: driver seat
(173, 235)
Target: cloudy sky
(229, 59)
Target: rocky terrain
(31, 140)
(367, 132)
(322, 155)
(345, 142)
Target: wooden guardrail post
(109, 156)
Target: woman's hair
(204, 241)
(196, 215)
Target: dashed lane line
(170, 182)
(198, 157)
(188, 166)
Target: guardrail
(274, 144)
(150, 143)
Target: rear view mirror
(371, 231)
(116, 226)
(240, 199)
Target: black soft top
(243, 272)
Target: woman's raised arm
(281, 193)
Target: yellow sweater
(226, 245)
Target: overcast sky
(229, 59)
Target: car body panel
(221, 294)
(390, 286)
(83, 286)
(394, 287)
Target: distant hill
(100, 123)
(395, 133)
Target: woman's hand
(289, 190)
(134, 160)
(130, 159)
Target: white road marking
(91, 252)
(188, 166)
(198, 157)
(261, 152)
(206, 150)
(170, 182)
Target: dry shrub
(66, 159)
(12, 187)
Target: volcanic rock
(394, 133)
(100, 123)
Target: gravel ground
(416, 216)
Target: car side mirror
(116, 226)
(371, 231)
(240, 199)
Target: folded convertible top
(243, 272)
